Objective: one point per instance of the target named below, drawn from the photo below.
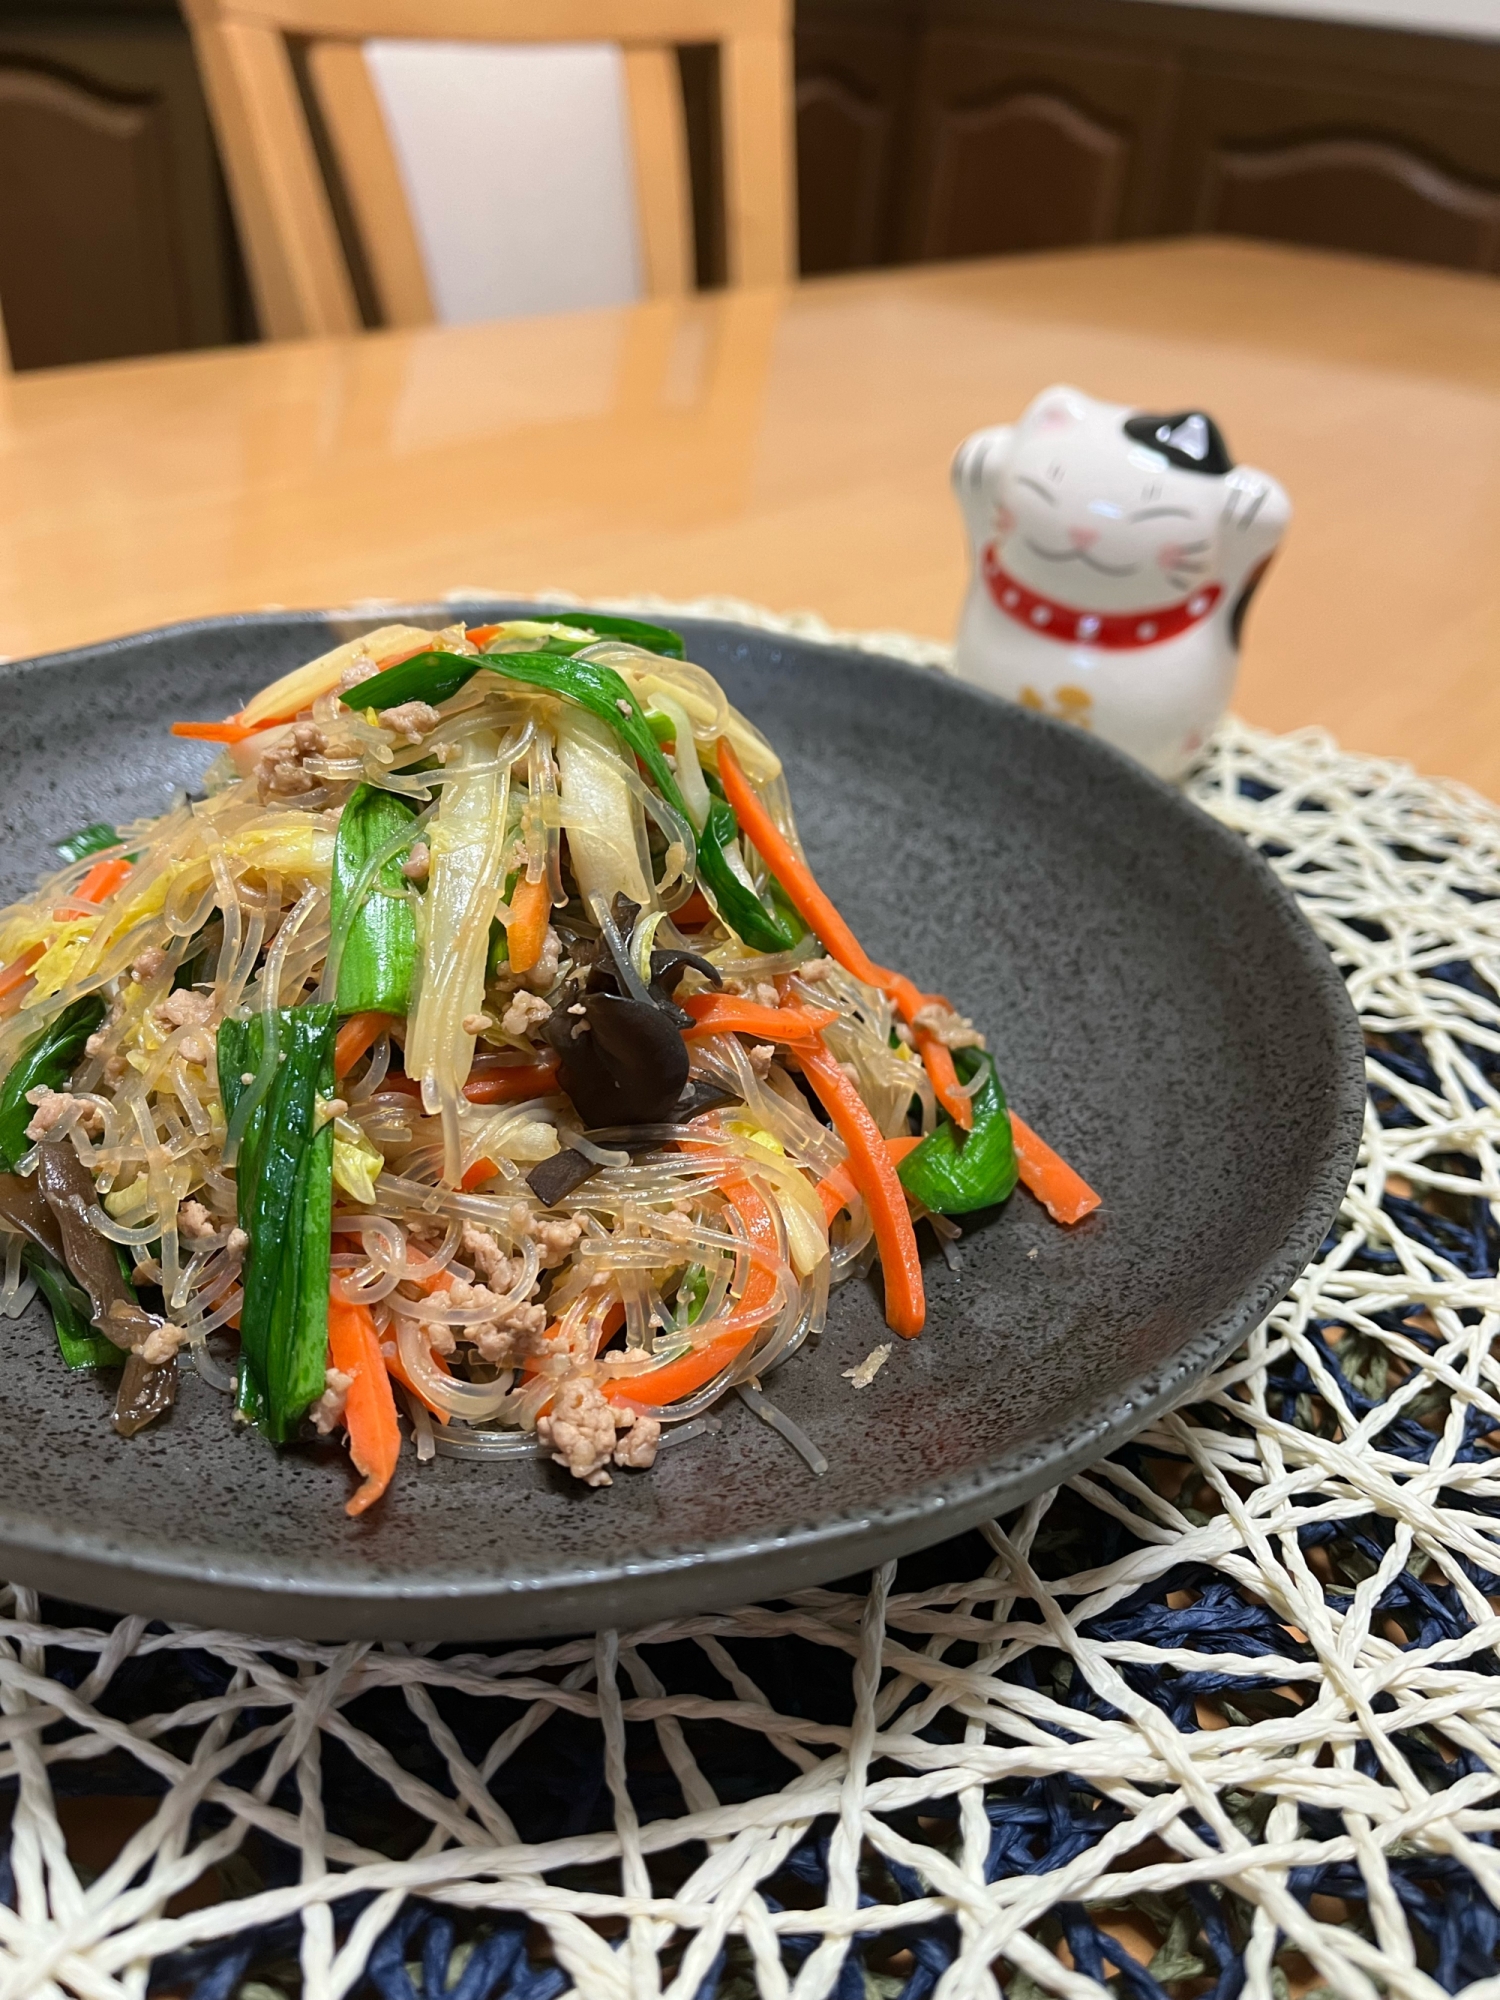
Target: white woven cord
(1334, 1750)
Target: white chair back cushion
(518, 167)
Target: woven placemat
(1220, 1715)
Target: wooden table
(793, 449)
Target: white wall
(518, 166)
(1436, 17)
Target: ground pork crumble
(161, 1344)
(151, 964)
(525, 1012)
(328, 1412)
(543, 975)
(953, 1030)
(50, 1107)
(411, 720)
(555, 1234)
(761, 991)
(584, 1431)
(282, 771)
(195, 1222)
(580, 1432)
(185, 1009)
(504, 1337)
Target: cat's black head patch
(1191, 440)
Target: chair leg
(361, 144)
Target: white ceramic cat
(1115, 553)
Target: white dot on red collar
(1145, 631)
(1011, 597)
(1088, 626)
(1041, 615)
(1197, 605)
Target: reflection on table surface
(792, 448)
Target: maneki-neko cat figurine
(1115, 554)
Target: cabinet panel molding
(115, 236)
(1362, 194)
(843, 146)
(1021, 170)
(854, 86)
(87, 264)
(1042, 123)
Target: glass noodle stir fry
(480, 1043)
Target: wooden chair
(298, 268)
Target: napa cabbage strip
(435, 677)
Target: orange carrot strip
(370, 1409)
(837, 1190)
(676, 1379)
(16, 972)
(526, 933)
(481, 635)
(790, 870)
(875, 1177)
(817, 911)
(1066, 1195)
(938, 1062)
(478, 1174)
(494, 1086)
(357, 1036)
(908, 996)
(512, 1086)
(231, 731)
(724, 1014)
(695, 913)
(936, 1059)
(102, 880)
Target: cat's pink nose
(1083, 538)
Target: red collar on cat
(1114, 631)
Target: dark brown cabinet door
(1022, 143)
(86, 258)
(1374, 195)
(1391, 172)
(114, 231)
(1038, 124)
(853, 108)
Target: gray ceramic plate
(1160, 1011)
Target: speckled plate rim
(251, 1597)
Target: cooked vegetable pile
(479, 1048)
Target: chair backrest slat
(361, 144)
(624, 21)
(298, 269)
(663, 188)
